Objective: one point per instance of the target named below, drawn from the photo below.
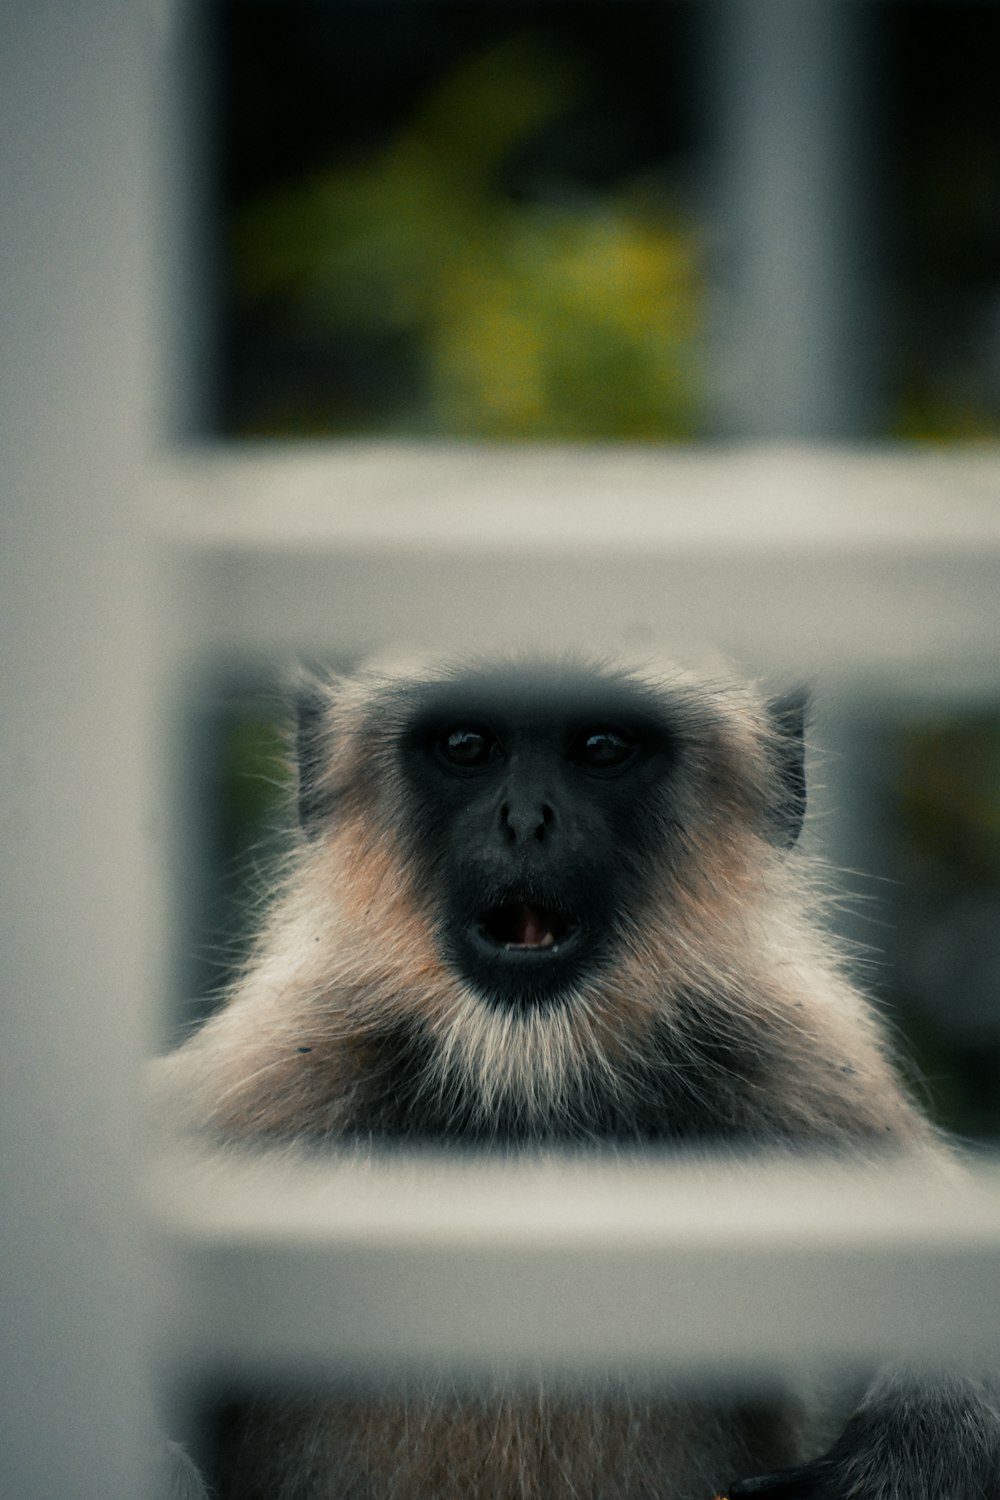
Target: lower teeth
(548, 941)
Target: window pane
(465, 219)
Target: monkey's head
(542, 820)
(524, 896)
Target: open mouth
(521, 952)
(519, 927)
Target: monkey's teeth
(548, 941)
(519, 928)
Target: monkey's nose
(526, 822)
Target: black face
(536, 797)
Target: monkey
(555, 904)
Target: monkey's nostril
(545, 822)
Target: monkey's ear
(312, 702)
(788, 808)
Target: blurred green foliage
(573, 315)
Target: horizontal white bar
(519, 499)
(364, 1268)
(875, 565)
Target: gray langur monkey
(540, 905)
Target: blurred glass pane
(503, 220)
(466, 219)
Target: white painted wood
(570, 1267)
(878, 566)
(792, 343)
(76, 748)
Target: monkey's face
(533, 795)
(544, 821)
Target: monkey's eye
(597, 748)
(468, 747)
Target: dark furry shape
(908, 1441)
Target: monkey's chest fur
(508, 1447)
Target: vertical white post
(792, 354)
(75, 933)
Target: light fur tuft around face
(349, 1021)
